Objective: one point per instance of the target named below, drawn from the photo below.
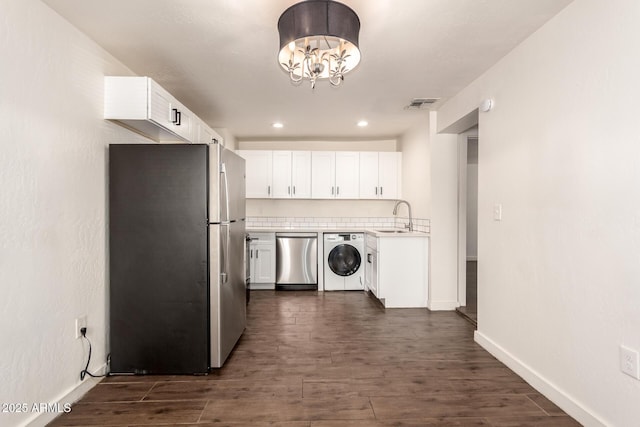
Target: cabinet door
(282, 188)
(265, 264)
(183, 125)
(301, 174)
(205, 135)
(347, 165)
(389, 175)
(258, 173)
(367, 271)
(252, 261)
(323, 174)
(369, 188)
(161, 106)
(374, 275)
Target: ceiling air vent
(419, 103)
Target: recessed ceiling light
(277, 125)
(363, 123)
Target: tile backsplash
(419, 224)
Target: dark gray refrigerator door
(158, 250)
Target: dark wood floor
(332, 359)
(470, 310)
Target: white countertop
(378, 232)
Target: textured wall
(558, 277)
(53, 156)
(416, 168)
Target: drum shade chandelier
(318, 40)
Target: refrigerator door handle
(223, 172)
(224, 274)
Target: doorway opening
(468, 226)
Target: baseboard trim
(442, 305)
(72, 395)
(568, 404)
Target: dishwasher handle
(297, 235)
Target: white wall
(443, 289)
(416, 168)
(230, 141)
(558, 278)
(319, 208)
(53, 156)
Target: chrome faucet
(395, 212)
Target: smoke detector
(420, 103)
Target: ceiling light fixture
(363, 123)
(318, 40)
(278, 125)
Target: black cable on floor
(85, 371)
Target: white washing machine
(344, 261)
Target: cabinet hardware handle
(294, 190)
(251, 253)
(381, 191)
(289, 190)
(174, 115)
(337, 191)
(369, 258)
(257, 252)
(332, 190)
(178, 118)
(376, 191)
(269, 190)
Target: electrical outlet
(81, 322)
(629, 362)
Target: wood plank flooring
(333, 359)
(470, 311)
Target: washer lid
(344, 260)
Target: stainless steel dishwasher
(296, 261)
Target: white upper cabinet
(347, 174)
(389, 175)
(380, 175)
(323, 174)
(301, 174)
(278, 174)
(259, 175)
(334, 175)
(284, 174)
(369, 187)
(142, 104)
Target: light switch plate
(497, 212)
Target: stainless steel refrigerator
(177, 292)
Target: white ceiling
(219, 57)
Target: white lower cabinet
(371, 268)
(262, 261)
(402, 271)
